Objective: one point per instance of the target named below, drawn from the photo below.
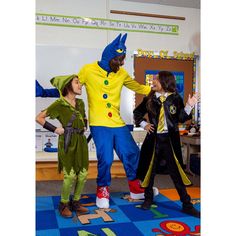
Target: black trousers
(164, 151)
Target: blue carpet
(124, 218)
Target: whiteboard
(52, 61)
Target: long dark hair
(167, 81)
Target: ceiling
(176, 3)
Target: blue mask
(115, 48)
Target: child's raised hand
(59, 130)
(193, 100)
(149, 128)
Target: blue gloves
(41, 92)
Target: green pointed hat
(61, 81)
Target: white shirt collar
(159, 94)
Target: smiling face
(156, 85)
(76, 86)
(116, 62)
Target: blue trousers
(106, 140)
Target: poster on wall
(179, 78)
(39, 142)
(46, 140)
(50, 140)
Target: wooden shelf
(48, 170)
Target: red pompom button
(110, 114)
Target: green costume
(73, 161)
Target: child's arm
(193, 100)
(139, 113)
(185, 112)
(41, 119)
(84, 116)
(41, 92)
(82, 111)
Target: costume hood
(61, 81)
(115, 48)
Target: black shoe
(146, 204)
(191, 211)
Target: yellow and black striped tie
(161, 121)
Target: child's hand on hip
(59, 130)
(149, 128)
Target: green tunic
(77, 155)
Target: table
(191, 143)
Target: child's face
(156, 85)
(76, 86)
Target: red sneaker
(137, 192)
(103, 195)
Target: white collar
(159, 94)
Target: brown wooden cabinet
(47, 170)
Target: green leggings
(68, 181)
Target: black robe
(174, 114)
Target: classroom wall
(187, 40)
(90, 40)
(52, 60)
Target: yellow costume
(103, 92)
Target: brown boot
(64, 210)
(80, 210)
